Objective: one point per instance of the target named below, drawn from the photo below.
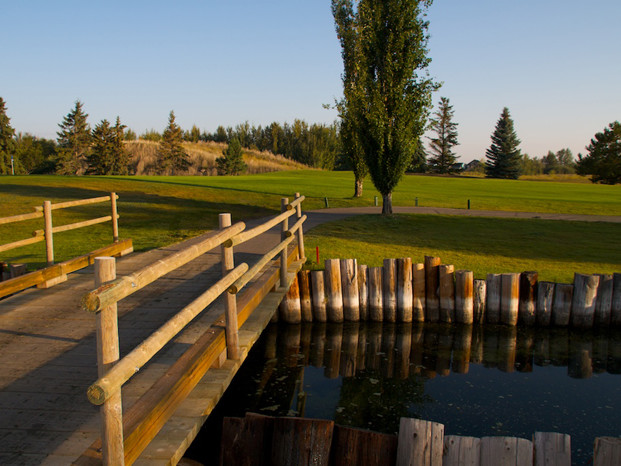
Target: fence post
(107, 356)
(298, 211)
(228, 264)
(283, 256)
(115, 219)
(49, 239)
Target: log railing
(123, 440)
(56, 273)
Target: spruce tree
(419, 159)
(603, 161)
(231, 162)
(108, 155)
(503, 156)
(74, 141)
(7, 141)
(441, 146)
(391, 95)
(172, 157)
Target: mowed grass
(156, 211)
(555, 249)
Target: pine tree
(603, 161)
(74, 141)
(443, 158)
(108, 155)
(231, 162)
(171, 155)
(503, 156)
(7, 141)
(391, 93)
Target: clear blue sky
(554, 63)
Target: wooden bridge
(153, 349)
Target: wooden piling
(583, 303)
(418, 292)
(356, 446)
(506, 450)
(389, 288)
(464, 297)
(363, 291)
(376, 308)
(479, 301)
(349, 284)
(290, 310)
(561, 305)
(552, 448)
(616, 300)
(301, 441)
(545, 298)
(404, 290)
(432, 299)
(607, 451)
(305, 295)
(319, 296)
(461, 450)
(333, 290)
(420, 443)
(446, 281)
(528, 298)
(510, 298)
(492, 304)
(603, 305)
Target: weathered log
(479, 300)
(305, 295)
(528, 298)
(389, 289)
(404, 290)
(607, 451)
(349, 284)
(432, 298)
(446, 281)
(363, 291)
(603, 305)
(510, 298)
(464, 297)
(616, 300)
(301, 441)
(319, 296)
(506, 450)
(583, 303)
(561, 305)
(333, 290)
(247, 441)
(545, 298)
(420, 443)
(376, 308)
(418, 292)
(290, 310)
(461, 450)
(355, 446)
(492, 303)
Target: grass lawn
(555, 249)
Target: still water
(477, 381)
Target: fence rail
(126, 435)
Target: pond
(477, 381)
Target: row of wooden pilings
(402, 291)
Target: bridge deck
(48, 357)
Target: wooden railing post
(107, 356)
(115, 220)
(228, 264)
(298, 211)
(49, 240)
(283, 256)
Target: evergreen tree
(74, 141)
(231, 162)
(441, 146)
(390, 99)
(503, 156)
(419, 159)
(108, 155)
(170, 153)
(603, 161)
(7, 141)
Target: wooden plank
(362, 447)
(607, 451)
(421, 443)
(552, 448)
(461, 451)
(301, 442)
(506, 451)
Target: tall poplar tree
(171, 155)
(74, 141)
(503, 156)
(441, 146)
(7, 140)
(391, 92)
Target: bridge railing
(125, 437)
(55, 273)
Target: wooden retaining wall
(402, 291)
(283, 441)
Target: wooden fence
(56, 273)
(126, 435)
(401, 291)
(280, 441)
